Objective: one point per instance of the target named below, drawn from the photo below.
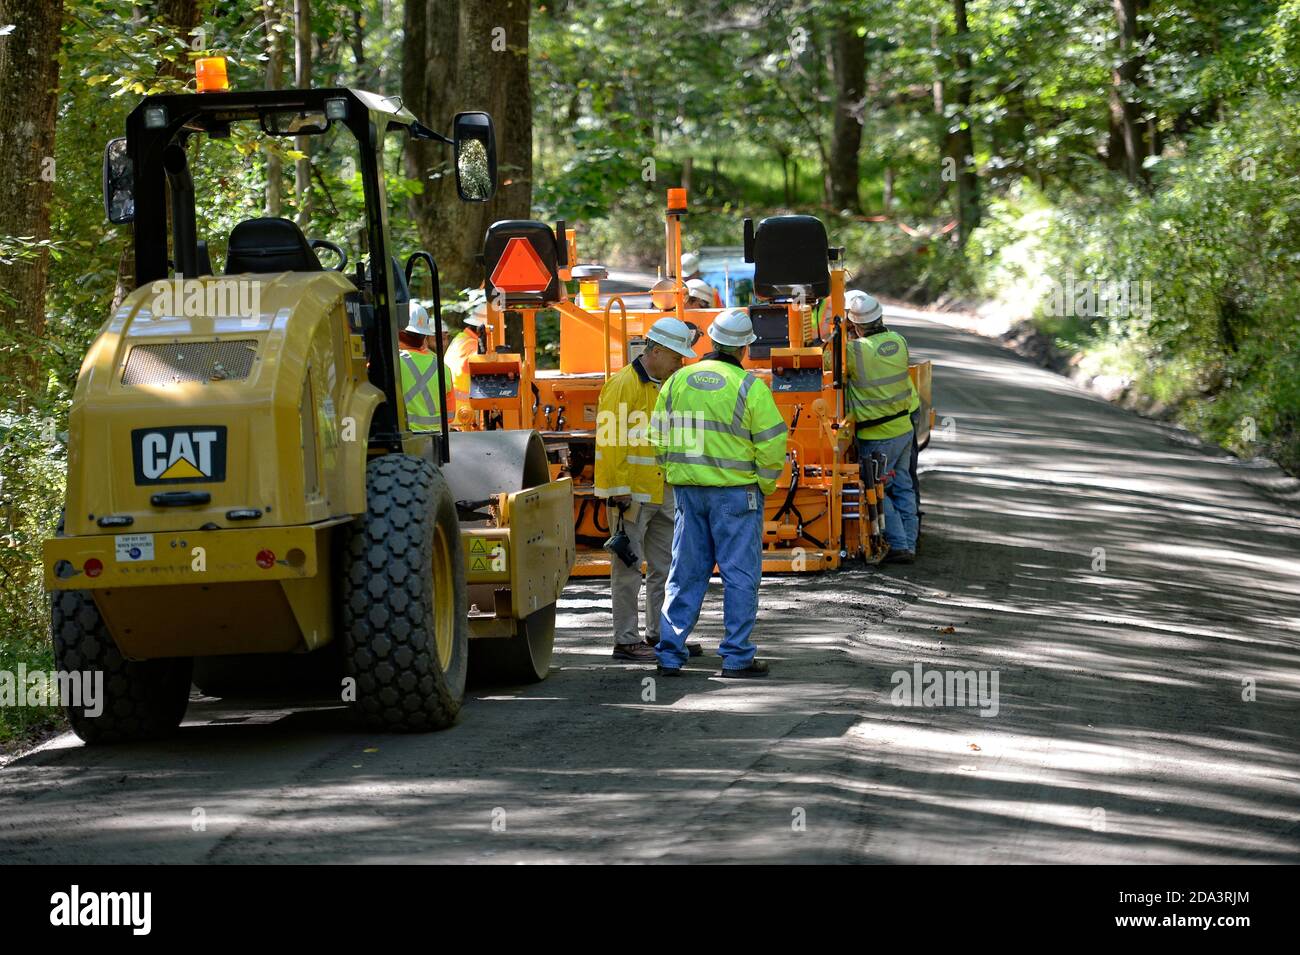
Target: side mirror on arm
(475, 143)
(119, 183)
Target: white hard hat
(672, 333)
(732, 327)
(421, 323)
(862, 308)
(698, 288)
(690, 263)
(475, 307)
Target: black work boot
(755, 669)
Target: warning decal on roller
(486, 556)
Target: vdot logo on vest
(76, 908)
(706, 380)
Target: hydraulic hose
(788, 503)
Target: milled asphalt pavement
(1136, 595)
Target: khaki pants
(651, 535)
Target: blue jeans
(900, 495)
(722, 525)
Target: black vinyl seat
(790, 251)
(269, 245)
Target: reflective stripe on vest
(702, 435)
(423, 410)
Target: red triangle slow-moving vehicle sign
(520, 268)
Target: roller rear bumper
(184, 557)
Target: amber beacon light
(210, 72)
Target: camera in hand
(620, 545)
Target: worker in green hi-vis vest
(881, 399)
(722, 440)
(419, 377)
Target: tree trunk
(887, 200)
(783, 154)
(358, 44)
(29, 87)
(960, 139)
(302, 80)
(1115, 158)
(181, 17)
(687, 165)
(274, 77)
(849, 65)
(462, 55)
(1128, 134)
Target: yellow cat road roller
(246, 499)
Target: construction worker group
(687, 487)
(688, 458)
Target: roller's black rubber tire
(389, 615)
(142, 699)
(521, 659)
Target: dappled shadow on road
(1127, 589)
(1142, 604)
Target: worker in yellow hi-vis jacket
(631, 481)
(464, 345)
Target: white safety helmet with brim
(690, 263)
(700, 289)
(673, 334)
(862, 308)
(420, 321)
(475, 307)
(733, 328)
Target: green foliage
(598, 175)
(110, 58)
(32, 463)
(1218, 240)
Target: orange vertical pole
(529, 363)
(673, 225)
